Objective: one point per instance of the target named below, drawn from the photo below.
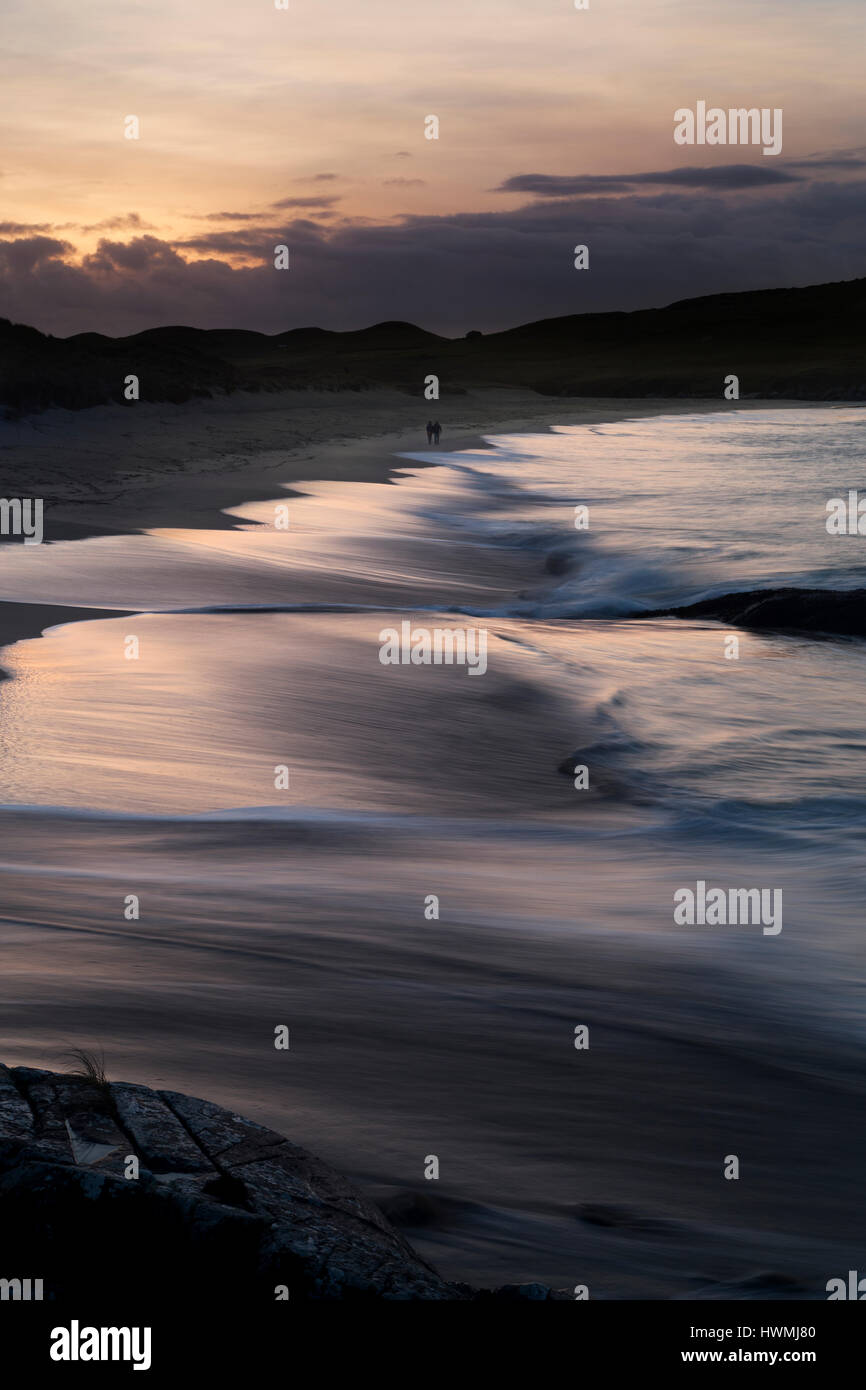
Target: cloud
(129, 221)
(255, 245)
(145, 253)
(30, 254)
(406, 183)
(450, 273)
(318, 203)
(719, 176)
(314, 201)
(230, 216)
(24, 228)
(837, 159)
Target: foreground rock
(819, 612)
(220, 1205)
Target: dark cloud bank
(673, 235)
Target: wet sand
(413, 1035)
(106, 472)
(19, 621)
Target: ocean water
(308, 905)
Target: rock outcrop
(110, 1187)
(816, 612)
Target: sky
(305, 127)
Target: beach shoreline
(428, 902)
(175, 476)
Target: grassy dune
(803, 344)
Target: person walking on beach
(429, 431)
(437, 430)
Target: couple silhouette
(433, 431)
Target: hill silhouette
(786, 343)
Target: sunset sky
(306, 126)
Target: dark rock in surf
(117, 1190)
(818, 612)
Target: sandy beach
(453, 1034)
(110, 469)
(107, 471)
